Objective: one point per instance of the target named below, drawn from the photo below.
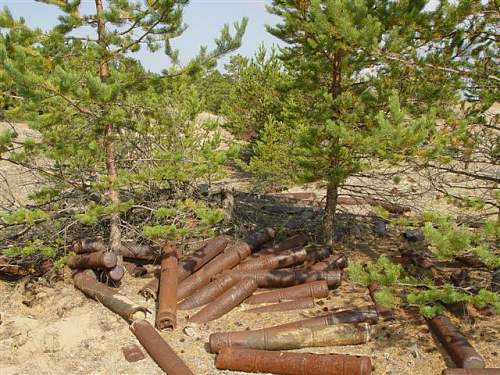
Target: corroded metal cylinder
(158, 349)
(230, 258)
(208, 293)
(256, 239)
(383, 312)
(314, 289)
(133, 250)
(116, 273)
(288, 277)
(121, 305)
(292, 338)
(96, 260)
(455, 344)
(333, 262)
(471, 371)
(299, 304)
(88, 245)
(295, 241)
(286, 363)
(225, 302)
(166, 316)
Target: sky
(204, 18)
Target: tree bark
(115, 233)
(329, 216)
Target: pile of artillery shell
(288, 277)
(121, 305)
(314, 289)
(225, 302)
(208, 293)
(158, 349)
(337, 261)
(167, 296)
(283, 363)
(455, 344)
(292, 338)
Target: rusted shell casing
(471, 371)
(88, 245)
(136, 270)
(455, 344)
(368, 315)
(192, 263)
(116, 273)
(121, 305)
(383, 312)
(302, 303)
(133, 250)
(208, 293)
(289, 277)
(227, 260)
(292, 338)
(158, 349)
(166, 316)
(286, 363)
(314, 289)
(225, 302)
(256, 239)
(337, 261)
(102, 259)
(298, 240)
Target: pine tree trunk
(115, 233)
(329, 216)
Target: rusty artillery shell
(292, 338)
(193, 262)
(302, 303)
(256, 239)
(100, 259)
(368, 315)
(455, 344)
(333, 262)
(471, 371)
(383, 312)
(314, 289)
(166, 316)
(297, 240)
(158, 349)
(225, 302)
(230, 258)
(208, 293)
(288, 277)
(121, 305)
(88, 245)
(133, 250)
(286, 363)
(116, 273)
(136, 270)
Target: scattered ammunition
(471, 371)
(150, 290)
(225, 302)
(132, 250)
(314, 289)
(230, 258)
(288, 277)
(382, 311)
(286, 363)
(88, 245)
(297, 240)
(100, 259)
(302, 303)
(455, 344)
(158, 349)
(269, 262)
(121, 305)
(256, 239)
(368, 315)
(337, 261)
(166, 316)
(208, 293)
(136, 270)
(116, 273)
(292, 338)
(132, 353)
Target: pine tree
(95, 106)
(373, 79)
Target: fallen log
(286, 363)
